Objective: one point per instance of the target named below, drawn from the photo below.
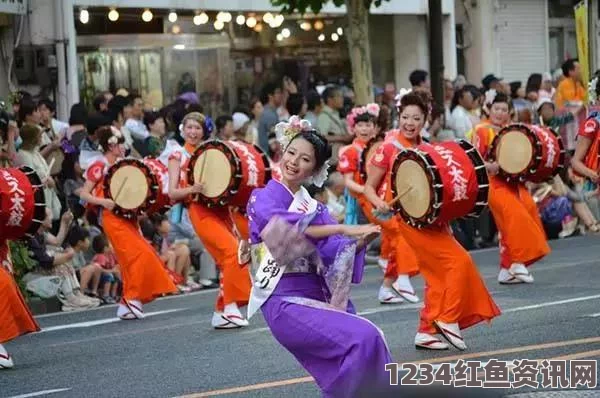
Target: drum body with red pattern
(22, 203)
(367, 153)
(440, 183)
(229, 171)
(132, 185)
(527, 153)
(161, 175)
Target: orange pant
(14, 313)
(454, 290)
(213, 227)
(522, 236)
(144, 275)
(241, 223)
(401, 257)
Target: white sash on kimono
(265, 272)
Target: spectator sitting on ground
(176, 255)
(89, 273)
(111, 275)
(45, 249)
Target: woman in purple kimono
(302, 265)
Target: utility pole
(436, 51)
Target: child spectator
(89, 273)
(54, 261)
(176, 255)
(111, 276)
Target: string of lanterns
(251, 21)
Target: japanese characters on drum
(459, 182)
(17, 199)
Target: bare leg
(584, 213)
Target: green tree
(357, 35)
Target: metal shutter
(520, 38)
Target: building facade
(514, 38)
(80, 47)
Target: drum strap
(398, 145)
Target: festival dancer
(361, 123)
(455, 294)
(213, 226)
(14, 313)
(521, 233)
(144, 277)
(303, 263)
(585, 161)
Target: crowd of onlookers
(74, 260)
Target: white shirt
(461, 121)
(138, 129)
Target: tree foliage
(302, 6)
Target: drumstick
(400, 195)
(51, 163)
(120, 189)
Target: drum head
(216, 174)
(133, 191)
(416, 202)
(514, 152)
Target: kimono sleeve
(589, 129)
(280, 230)
(339, 249)
(95, 172)
(383, 156)
(348, 161)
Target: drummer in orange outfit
(213, 227)
(144, 277)
(14, 313)
(455, 294)
(361, 122)
(522, 236)
(585, 161)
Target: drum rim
(363, 154)
(480, 171)
(150, 196)
(235, 182)
(535, 156)
(436, 194)
(561, 156)
(39, 212)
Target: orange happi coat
(401, 258)
(214, 227)
(522, 236)
(15, 317)
(144, 276)
(454, 290)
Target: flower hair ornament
(113, 140)
(286, 131)
(372, 109)
(402, 93)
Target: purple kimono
(302, 286)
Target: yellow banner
(581, 29)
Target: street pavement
(174, 352)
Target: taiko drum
(527, 153)
(229, 171)
(439, 183)
(22, 203)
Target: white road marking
(596, 315)
(103, 307)
(552, 303)
(39, 393)
(102, 321)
